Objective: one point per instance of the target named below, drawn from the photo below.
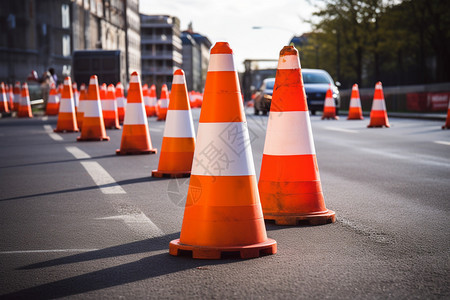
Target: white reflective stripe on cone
(147, 101)
(221, 62)
(163, 103)
(16, 98)
(53, 99)
(120, 102)
(289, 133)
(178, 79)
(153, 101)
(82, 106)
(378, 105)
(223, 149)
(355, 103)
(329, 102)
(92, 108)
(288, 62)
(179, 124)
(135, 114)
(25, 101)
(66, 106)
(109, 105)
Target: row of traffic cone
(21, 100)
(378, 114)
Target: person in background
(55, 77)
(46, 82)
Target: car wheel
(256, 112)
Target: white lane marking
(442, 143)
(105, 182)
(342, 129)
(47, 251)
(49, 130)
(139, 222)
(77, 152)
(45, 118)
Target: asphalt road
(78, 221)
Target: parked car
(316, 84)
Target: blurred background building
(42, 34)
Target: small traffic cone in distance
(178, 144)
(25, 104)
(17, 95)
(163, 103)
(121, 102)
(153, 100)
(223, 212)
(3, 99)
(378, 114)
(67, 121)
(81, 106)
(329, 107)
(76, 96)
(135, 134)
(53, 102)
(355, 111)
(447, 122)
(289, 183)
(93, 126)
(11, 97)
(146, 95)
(109, 106)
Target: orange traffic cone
(11, 97)
(121, 102)
(378, 114)
(163, 103)
(93, 126)
(24, 104)
(289, 183)
(146, 95)
(81, 106)
(76, 96)
(109, 107)
(53, 102)
(17, 95)
(177, 149)
(153, 100)
(447, 122)
(3, 99)
(329, 108)
(223, 212)
(355, 111)
(66, 117)
(135, 134)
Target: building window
(65, 16)
(66, 45)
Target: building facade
(161, 49)
(42, 34)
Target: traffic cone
(447, 122)
(17, 95)
(289, 183)
(4, 99)
(223, 212)
(109, 106)
(53, 102)
(24, 104)
(11, 97)
(378, 114)
(121, 102)
(76, 96)
(66, 118)
(93, 126)
(146, 95)
(81, 106)
(163, 103)
(177, 149)
(153, 100)
(355, 111)
(135, 134)
(329, 108)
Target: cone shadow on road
(87, 188)
(142, 269)
(58, 161)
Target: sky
(232, 21)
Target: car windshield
(315, 78)
(270, 84)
